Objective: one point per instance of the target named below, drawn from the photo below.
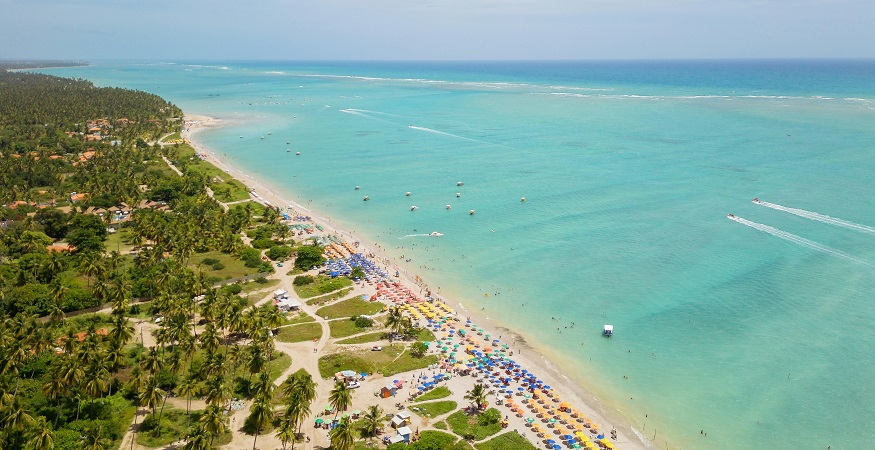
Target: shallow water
(760, 335)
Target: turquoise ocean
(760, 331)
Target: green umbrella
(356, 412)
(318, 421)
(345, 416)
(328, 408)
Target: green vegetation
(393, 359)
(321, 285)
(309, 256)
(440, 425)
(225, 188)
(351, 307)
(434, 394)
(476, 427)
(344, 327)
(300, 333)
(329, 298)
(296, 317)
(432, 440)
(61, 136)
(434, 409)
(511, 439)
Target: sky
(435, 30)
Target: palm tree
(93, 439)
(342, 436)
(372, 420)
(396, 321)
(188, 387)
(260, 412)
(286, 433)
(17, 418)
(43, 439)
(55, 389)
(477, 396)
(213, 422)
(340, 397)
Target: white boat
(757, 201)
(449, 206)
(366, 198)
(471, 212)
(458, 194)
(357, 188)
(435, 234)
(298, 153)
(609, 331)
(523, 200)
(413, 208)
(407, 194)
(459, 183)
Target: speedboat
(459, 183)
(756, 200)
(413, 208)
(471, 212)
(298, 153)
(435, 234)
(407, 194)
(731, 216)
(357, 188)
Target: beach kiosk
(609, 331)
(402, 419)
(405, 433)
(388, 391)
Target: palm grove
(75, 382)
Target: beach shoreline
(569, 388)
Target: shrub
(234, 288)
(134, 310)
(262, 243)
(362, 322)
(218, 266)
(303, 280)
(418, 349)
(261, 280)
(489, 417)
(209, 261)
(278, 252)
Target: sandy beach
(569, 389)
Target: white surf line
(820, 218)
(797, 239)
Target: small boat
(756, 200)
(471, 212)
(523, 200)
(449, 206)
(262, 137)
(459, 183)
(241, 137)
(609, 331)
(413, 208)
(435, 234)
(407, 194)
(366, 198)
(287, 142)
(731, 216)
(298, 153)
(357, 188)
(458, 194)
(288, 150)
(269, 133)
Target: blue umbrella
(569, 437)
(550, 441)
(557, 447)
(601, 436)
(546, 387)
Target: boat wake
(796, 239)
(819, 217)
(432, 234)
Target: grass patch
(391, 360)
(329, 298)
(300, 333)
(440, 425)
(435, 409)
(322, 285)
(425, 335)
(434, 394)
(233, 267)
(173, 427)
(296, 317)
(252, 286)
(469, 427)
(350, 307)
(364, 338)
(343, 328)
(511, 439)
(120, 241)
